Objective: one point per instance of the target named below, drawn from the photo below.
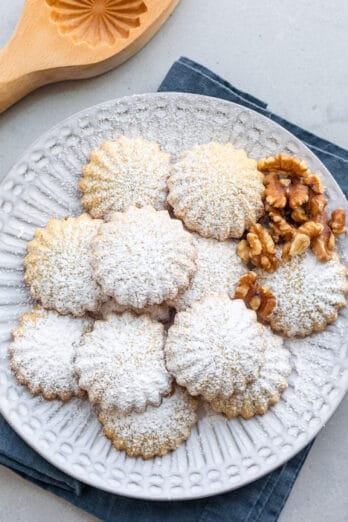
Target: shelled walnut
(288, 181)
(301, 239)
(275, 191)
(280, 228)
(284, 163)
(316, 204)
(259, 249)
(256, 297)
(295, 213)
(324, 244)
(337, 222)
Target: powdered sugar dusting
(315, 361)
(143, 257)
(123, 173)
(215, 347)
(157, 430)
(42, 352)
(58, 266)
(161, 312)
(213, 459)
(218, 271)
(308, 293)
(216, 190)
(266, 390)
(121, 363)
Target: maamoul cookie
(154, 432)
(58, 269)
(143, 257)
(309, 294)
(123, 173)
(266, 390)
(42, 353)
(216, 190)
(161, 312)
(219, 269)
(215, 347)
(121, 363)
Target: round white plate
(221, 454)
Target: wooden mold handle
(14, 83)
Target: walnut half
(301, 239)
(295, 206)
(255, 296)
(285, 164)
(259, 249)
(323, 245)
(338, 221)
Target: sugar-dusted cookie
(266, 390)
(123, 173)
(42, 353)
(154, 432)
(216, 190)
(143, 257)
(121, 363)
(309, 294)
(215, 347)
(161, 312)
(218, 271)
(58, 269)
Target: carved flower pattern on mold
(96, 22)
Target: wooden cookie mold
(73, 39)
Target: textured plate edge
(220, 491)
(271, 467)
(151, 95)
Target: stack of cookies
(147, 303)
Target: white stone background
(290, 53)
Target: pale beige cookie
(143, 257)
(161, 312)
(123, 173)
(58, 266)
(218, 271)
(42, 353)
(215, 347)
(308, 294)
(121, 363)
(265, 392)
(216, 190)
(154, 432)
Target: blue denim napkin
(261, 501)
(188, 76)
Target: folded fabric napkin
(261, 501)
(188, 76)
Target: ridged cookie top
(58, 266)
(123, 173)
(216, 190)
(42, 352)
(215, 348)
(218, 271)
(309, 294)
(160, 312)
(121, 363)
(143, 257)
(157, 430)
(266, 390)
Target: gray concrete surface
(292, 54)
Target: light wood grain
(53, 42)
